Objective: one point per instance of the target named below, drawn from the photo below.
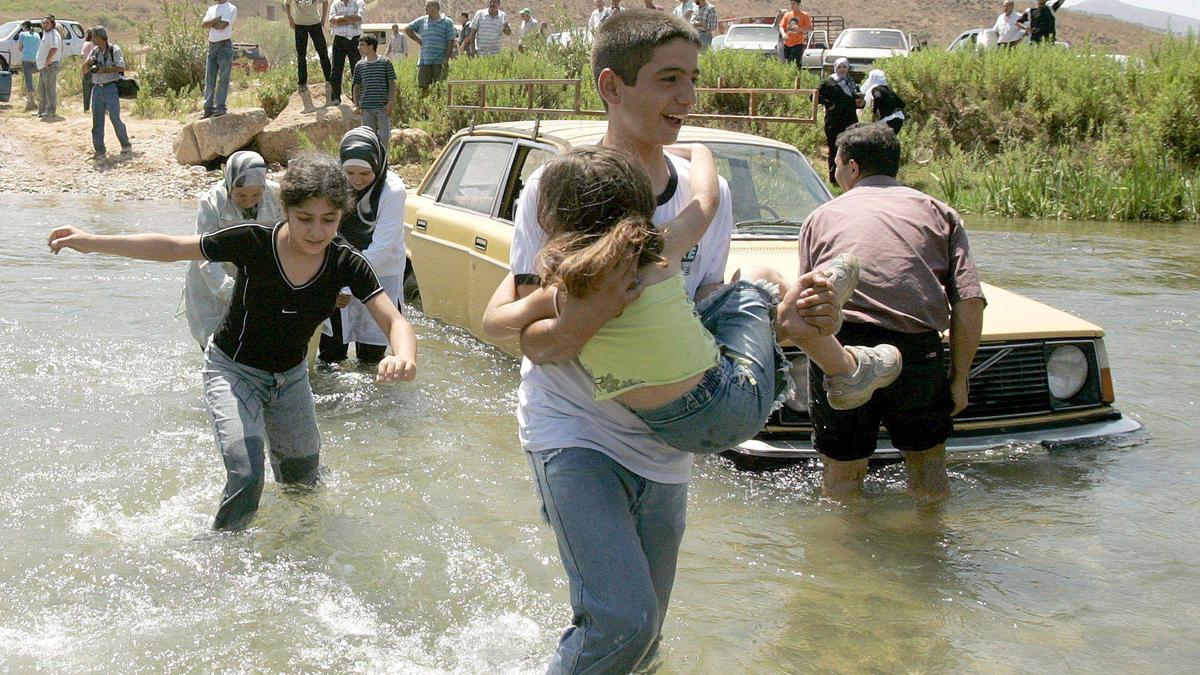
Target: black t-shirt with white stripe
(270, 321)
(373, 77)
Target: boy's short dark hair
(873, 145)
(465, 14)
(626, 41)
(314, 175)
(370, 40)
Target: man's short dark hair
(465, 14)
(370, 40)
(873, 145)
(626, 41)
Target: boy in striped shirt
(374, 90)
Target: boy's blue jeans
(733, 400)
(216, 76)
(618, 535)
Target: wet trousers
(254, 411)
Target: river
(422, 552)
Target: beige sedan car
(1041, 375)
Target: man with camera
(107, 65)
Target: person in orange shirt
(794, 28)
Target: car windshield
(751, 34)
(774, 189)
(870, 39)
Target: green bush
(178, 48)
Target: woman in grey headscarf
(244, 196)
(842, 100)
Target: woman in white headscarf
(244, 196)
(841, 99)
(376, 227)
(884, 104)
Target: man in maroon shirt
(918, 279)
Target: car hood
(860, 53)
(763, 45)
(1009, 316)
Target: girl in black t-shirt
(255, 372)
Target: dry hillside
(936, 20)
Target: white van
(10, 50)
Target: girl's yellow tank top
(657, 340)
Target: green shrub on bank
(178, 48)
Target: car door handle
(421, 224)
(480, 243)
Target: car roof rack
(754, 95)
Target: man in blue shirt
(30, 42)
(434, 32)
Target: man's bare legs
(928, 482)
(842, 481)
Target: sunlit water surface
(422, 551)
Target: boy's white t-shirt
(226, 12)
(556, 405)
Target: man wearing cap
(218, 19)
(49, 58)
(107, 65)
(1009, 30)
(529, 25)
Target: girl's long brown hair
(596, 205)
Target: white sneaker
(878, 367)
(842, 273)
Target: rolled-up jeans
(618, 536)
(733, 399)
(253, 410)
(216, 76)
(107, 101)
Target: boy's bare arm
(579, 318)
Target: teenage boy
(49, 58)
(345, 22)
(794, 28)
(307, 18)
(30, 43)
(374, 88)
(614, 494)
(107, 65)
(218, 19)
(434, 32)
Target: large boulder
(303, 124)
(411, 145)
(208, 139)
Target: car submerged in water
(1040, 375)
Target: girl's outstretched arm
(150, 246)
(507, 314)
(687, 228)
(402, 364)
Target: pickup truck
(861, 46)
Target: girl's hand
(68, 237)
(396, 369)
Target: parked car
(570, 36)
(862, 47)
(248, 57)
(1040, 374)
(752, 37)
(10, 52)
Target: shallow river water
(422, 552)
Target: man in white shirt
(397, 47)
(599, 14)
(49, 58)
(1009, 32)
(218, 19)
(685, 10)
(345, 22)
(615, 495)
(489, 26)
(529, 25)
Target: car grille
(1013, 384)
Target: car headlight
(799, 371)
(1067, 371)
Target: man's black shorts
(915, 408)
(428, 74)
(794, 54)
